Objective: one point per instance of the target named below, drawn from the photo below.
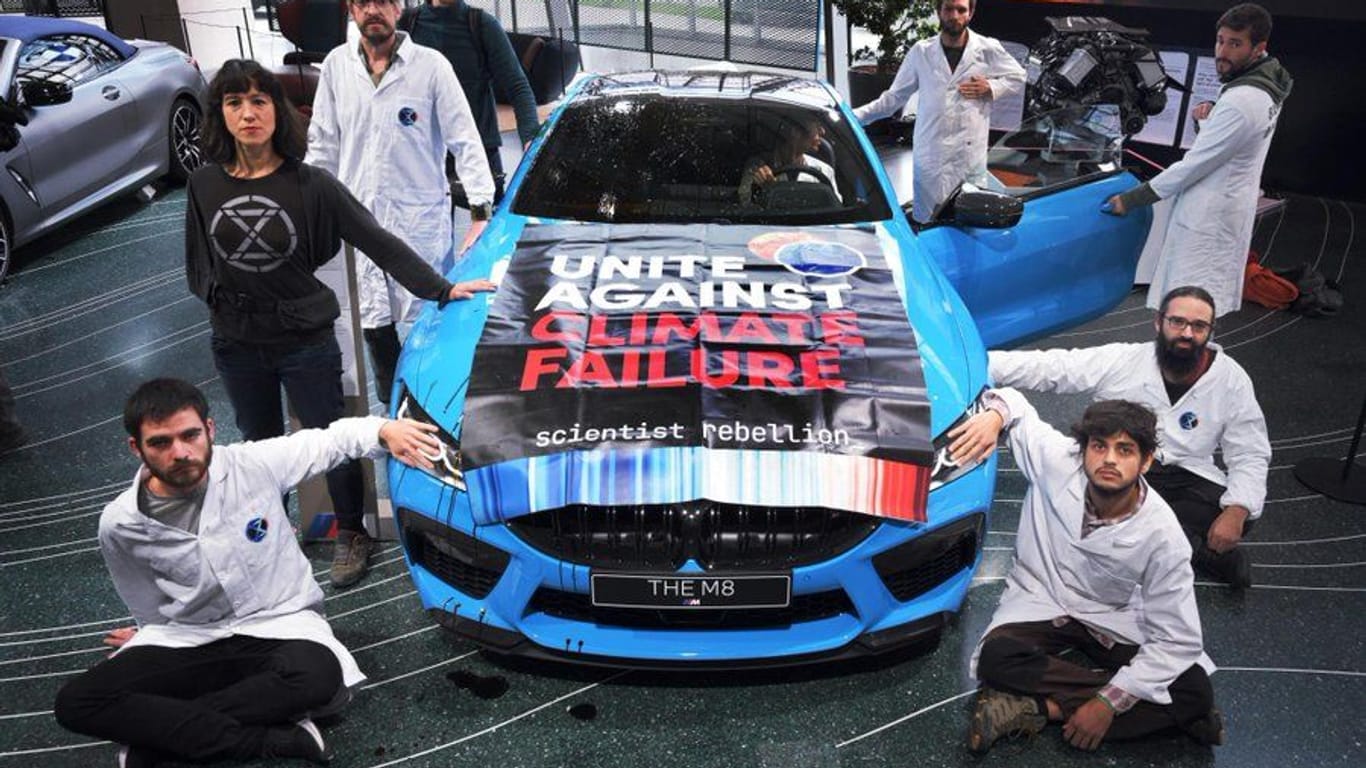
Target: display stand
(1343, 480)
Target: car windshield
(1057, 149)
(647, 157)
(69, 59)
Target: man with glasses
(1204, 402)
(385, 115)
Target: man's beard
(1234, 69)
(952, 28)
(1100, 493)
(183, 475)
(1178, 361)
(376, 38)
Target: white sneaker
(323, 755)
(128, 758)
(302, 740)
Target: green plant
(898, 24)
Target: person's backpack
(1318, 296)
(1263, 286)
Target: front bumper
(895, 588)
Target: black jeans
(1194, 499)
(384, 349)
(1024, 659)
(213, 702)
(311, 376)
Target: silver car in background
(84, 117)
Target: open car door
(1063, 262)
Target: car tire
(6, 244)
(183, 139)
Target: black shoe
(302, 740)
(1237, 568)
(1208, 730)
(13, 440)
(1233, 567)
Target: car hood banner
(655, 364)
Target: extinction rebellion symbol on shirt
(1189, 420)
(253, 233)
(257, 528)
(407, 116)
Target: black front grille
(578, 607)
(716, 536)
(925, 562)
(464, 562)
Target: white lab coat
(1132, 580)
(1216, 185)
(1219, 413)
(387, 144)
(187, 590)
(950, 142)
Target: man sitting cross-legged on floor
(1205, 404)
(232, 653)
(1101, 568)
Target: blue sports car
(701, 423)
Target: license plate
(672, 591)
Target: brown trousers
(1025, 659)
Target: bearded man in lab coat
(1204, 401)
(957, 75)
(1101, 567)
(384, 116)
(1216, 184)
(232, 653)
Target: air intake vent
(923, 563)
(717, 536)
(469, 565)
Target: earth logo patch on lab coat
(1189, 420)
(407, 116)
(257, 528)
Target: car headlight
(447, 460)
(945, 470)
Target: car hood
(663, 364)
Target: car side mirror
(986, 209)
(41, 93)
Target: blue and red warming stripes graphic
(663, 364)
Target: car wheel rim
(185, 137)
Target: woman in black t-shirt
(259, 223)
